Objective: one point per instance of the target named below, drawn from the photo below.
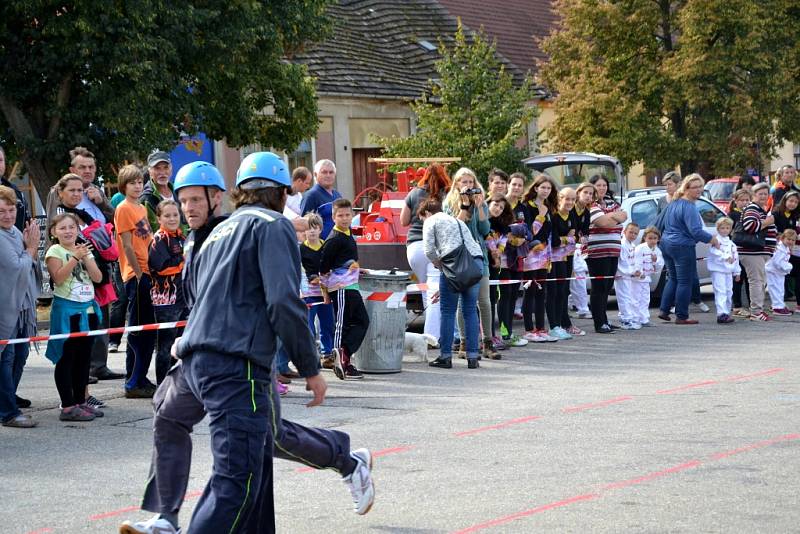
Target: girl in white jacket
(777, 269)
(648, 261)
(723, 265)
(626, 272)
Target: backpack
(102, 239)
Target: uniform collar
(312, 247)
(341, 231)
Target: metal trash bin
(382, 349)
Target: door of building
(365, 174)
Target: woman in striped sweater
(606, 216)
(757, 221)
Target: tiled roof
(375, 48)
(516, 24)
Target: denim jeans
(681, 264)
(449, 301)
(12, 361)
(323, 312)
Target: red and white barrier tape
(89, 333)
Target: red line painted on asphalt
(498, 426)
(754, 446)
(627, 483)
(192, 495)
(754, 375)
(375, 454)
(41, 531)
(527, 513)
(687, 386)
(601, 404)
(651, 476)
(114, 512)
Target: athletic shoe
(547, 337)
(283, 389)
(516, 341)
(725, 319)
(472, 363)
(95, 402)
(628, 325)
(154, 525)
(575, 331)
(113, 347)
(498, 343)
(584, 315)
(741, 312)
(760, 317)
(488, 350)
(351, 373)
(359, 482)
(21, 421)
(701, 306)
(604, 329)
(338, 365)
(534, 336)
(560, 333)
(782, 312)
(327, 361)
(92, 410)
(75, 413)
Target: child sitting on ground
(723, 265)
(648, 261)
(626, 272)
(777, 269)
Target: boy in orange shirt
(133, 239)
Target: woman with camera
(467, 202)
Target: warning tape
(89, 333)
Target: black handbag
(460, 268)
(744, 239)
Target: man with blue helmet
(242, 296)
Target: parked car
(720, 191)
(641, 205)
(573, 168)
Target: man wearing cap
(159, 168)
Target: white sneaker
(516, 341)
(154, 525)
(703, 307)
(628, 326)
(359, 482)
(560, 333)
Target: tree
(125, 77)
(711, 85)
(473, 111)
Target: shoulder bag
(460, 268)
(744, 239)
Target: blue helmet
(199, 173)
(262, 169)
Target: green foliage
(123, 77)
(711, 85)
(474, 111)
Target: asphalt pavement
(667, 429)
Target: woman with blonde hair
(466, 201)
(683, 229)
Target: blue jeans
(469, 307)
(12, 361)
(681, 264)
(323, 312)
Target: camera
(471, 191)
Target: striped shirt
(603, 242)
(752, 223)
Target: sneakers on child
(338, 365)
(516, 341)
(560, 333)
(781, 312)
(95, 402)
(359, 482)
(725, 319)
(701, 306)
(575, 331)
(584, 315)
(627, 325)
(741, 312)
(498, 343)
(761, 316)
(351, 373)
(547, 337)
(154, 525)
(75, 413)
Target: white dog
(415, 347)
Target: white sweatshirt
(579, 261)
(717, 259)
(626, 266)
(779, 264)
(643, 261)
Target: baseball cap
(157, 157)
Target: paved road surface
(668, 429)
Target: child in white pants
(723, 266)
(626, 272)
(777, 269)
(578, 295)
(648, 261)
